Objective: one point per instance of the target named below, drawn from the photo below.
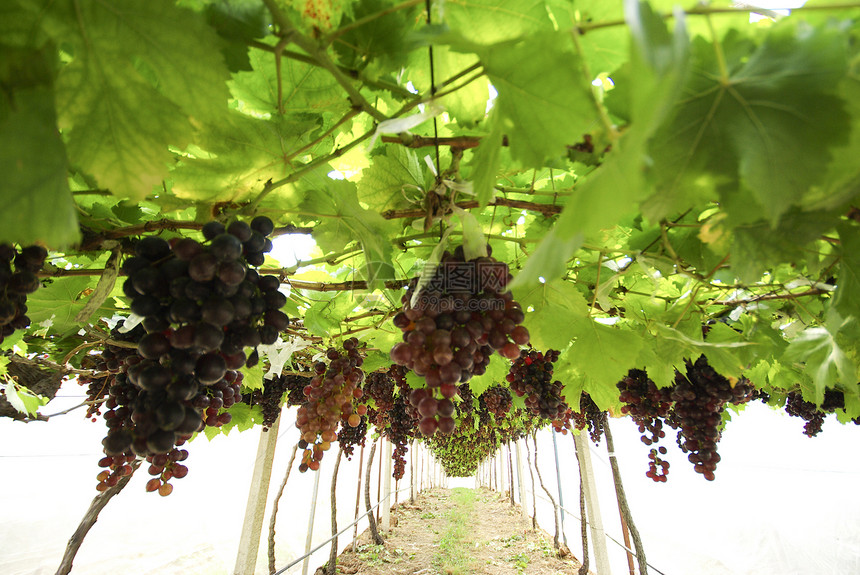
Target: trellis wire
(307, 555)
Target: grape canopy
(671, 185)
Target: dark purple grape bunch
(700, 398)
(531, 376)
(458, 320)
(814, 417)
(202, 306)
(399, 427)
(498, 400)
(16, 285)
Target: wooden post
(598, 537)
(521, 483)
(255, 509)
(310, 537)
(385, 525)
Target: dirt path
(457, 532)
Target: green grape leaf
(603, 355)
(658, 67)
(56, 305)
(244, 417)
(253, 377)
(344, 221)
(486, 161)
(497, 370)
(846, 299)
(32, 156)
(535, 107)
(142, 74)
(304, 88)
(395, 175)
(827, 361)
(492, 21)
(238, 22)
(236, 158)
(769, 124)
(554, 311)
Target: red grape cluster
(498, 400)
(329, 397)
(531, 376)
(164, 467)
(700, 397)
(435, 414)
(645, 403)
(460, 318)
(16, 285)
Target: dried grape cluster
(498, 400)
(399, 428)
(329, 397)
(379, 387)
(467, 400)
(270, 398)
(457, 321)
(531, 376)
(594, 418)
(16, 285)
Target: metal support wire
(578, 518)
(339, 533)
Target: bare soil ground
(458, 532)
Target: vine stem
(608, 125)
(354, 74)
(90, 518)
(622, 502)
(274, 516)
(597, 281)
(309, 167)
(315, 50)
(545, 209)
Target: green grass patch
(454, 556)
